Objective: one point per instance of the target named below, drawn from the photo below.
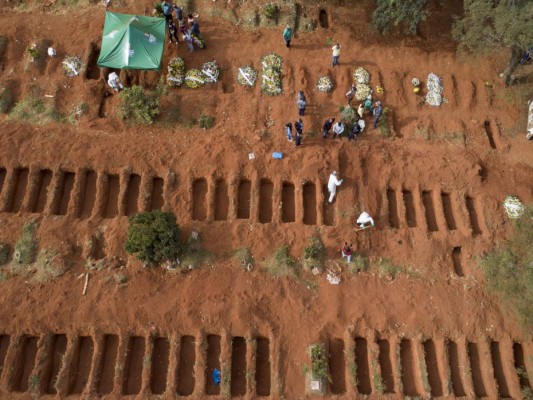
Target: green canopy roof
(132, 42)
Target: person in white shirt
(114, 81)
(364, 219)
(332, 185)
(338, 128)
(335, 55)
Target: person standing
(167, 10)
(332, 185)
(338, 128)
(335, 55)
(364, 219)
(288, 131)
(377, 113)
(361, 110)
(298, 139)
(172, 32)
(302, 104)
(195, 28)
(178, 11)
(368, 103)
(287, 36)
(327, 127)
(350, 94)
(347, 252)
(188, 39)
(114, 81)
(299, 126)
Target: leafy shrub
(508, 269)
(281, 263)
(391, 13)
(26, 246)
(206, 121)
(140, 106)
(383, 123)
(6, 100)
(4, 253)
(314, 254)
(348, 114)
(244, 256)
(33, 51)
(158, 9)
(153, 237)
(319, 362)
(270, 10)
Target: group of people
(188, 28)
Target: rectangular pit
(133, 366)
(430, 356)
(132, 194)
(497, 364)
(410, 213)
(4, 346)
(221, 200)
(93, 71)
(408, 368)
(160, 362)
(475, 368)
(518, 354)
(66, 184)
(489, 133)
(328, 209)
(185, 376)
(105, 378)
(287, 203)
(238, 366)
(158, 185)
(40, 196)
(2, 178)
(337, 366)
(386, 365)
(447, 207)
(199, 194)
(212, 362)
(243, 199)
(266, 190)
(24, 364)
(427, 199)
(472, 213)
(88, 194)
(363, 370)
(457, 261)
(455, 369)
(262, 367)
(309, 203)
(58, 347)
(20, 183)
(81, 365)
(394, 220)
(111, 192)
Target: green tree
(153, 237)
(141, 106)
(497, 24)
(391, 13)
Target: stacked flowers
(210, 72)
(246, 76)
(72, 65)
(324, 84)
(194, 78)
(271, 75)
(434, 95)
(176, 72)
(362, 79)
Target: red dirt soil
(435, 190)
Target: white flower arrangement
(434, 85)
(246, 76)
(271, 82)
(324, 84)
(513, 207)
(72, 65)
(210, 72)
(361, 76)
(176, 71)
(362, 91)
(194, 78)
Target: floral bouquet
(194, 78)
(246, 76)
(272, 61)
(361, 76)
(362, 91)
(324, 84)
(72, 65)
(434, 83)
(210, 72)
(271, 82)
(176, 71)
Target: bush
(6, 100)
(158, 9)
(508, 269)
(391, 13)
(383, 123)
(33, 110)
(140, 106)
(26, 246)
(153, 237)
(319, 362)
(281, 263)
(206, 121)
(244, 256)
(270, 10)
(348, 115)
(33, 51)
(314, 254)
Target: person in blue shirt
(287, 36)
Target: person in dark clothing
(195, 28)
(302, 104)
(350, 94)
(356, 129)
(178, 11)
(298, 139)
(182, 26)
(327, 127)
(299, 126)
(167, 10)
(172, 32)
(377, 113)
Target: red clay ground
(435, 189)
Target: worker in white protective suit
(364, 219)
(114, 81)
(332, 185)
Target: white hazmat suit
(364, 219)
(332, 185)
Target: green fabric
(132, 42)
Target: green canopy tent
(132, 42)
